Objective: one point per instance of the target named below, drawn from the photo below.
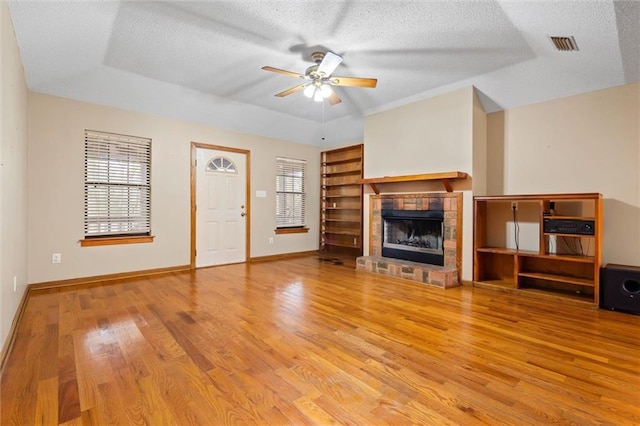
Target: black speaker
(620, 288)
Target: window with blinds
(290, 193)
(117, 185)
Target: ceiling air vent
(564, 44)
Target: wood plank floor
(305, 341)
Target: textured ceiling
(201, 61)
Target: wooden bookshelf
(341, 200)
(565, 266)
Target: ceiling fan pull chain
(322, 124)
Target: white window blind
(117, 185)
(290, 193)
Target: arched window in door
(222, 165)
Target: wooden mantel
(445, 177)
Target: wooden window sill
(109, 241)
(291, 230)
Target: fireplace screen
(413, 235)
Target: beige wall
(479, 147)
(13, 178)
(56, 172)
(432, 135)
(583, 143)
(428, 136)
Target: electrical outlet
(56, 258)
(15, 283)
(514, 205)
(270, 240)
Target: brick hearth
(443, 276)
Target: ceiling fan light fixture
(318, 96)
(326, 91)
(309, 90)
(318, 79)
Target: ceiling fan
(318, 79)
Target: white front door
(221, 212)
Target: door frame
(247, 154)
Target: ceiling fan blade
(333, 98)
(285, 72)
(329, 63)
(354, 81)
(290, 91)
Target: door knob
(243, 214)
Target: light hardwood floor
(305, 341)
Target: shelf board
(343, 220)
(548, 234)
(343, 161)
(344, 172)
(341, 196)
(502, 250)
(331, 185)
(341, 208)
(356, 246)
(558, 278)
(570, 217)
(538, 197)
(495, 283)
(585, 300)
(568, 257)
(529, 253)
(445, 177)
(354, 233)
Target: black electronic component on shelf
(569, 226)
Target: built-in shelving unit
(557, 264)
(341, 200)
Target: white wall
(56, 173)
(13, 178)
(429, 136)
(583, 143)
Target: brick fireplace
(448, 206)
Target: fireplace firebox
(414, 235)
